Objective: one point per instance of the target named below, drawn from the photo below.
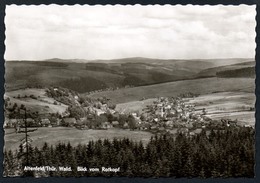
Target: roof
(29, 120)
(45, 120)
(106, 123)
(13, 120)
(115, 122)
(183, 130)
(69, 120)
(82, 119)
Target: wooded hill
(86, 76)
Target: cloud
(108, 32)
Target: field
(40, 103)
(199, 86)
(134, 106)
(230, 105)
(72, 135)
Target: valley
(135, 98)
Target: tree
(99, 120)
(131, 122)
(122, 119)
(76, 112)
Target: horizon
(174, 59)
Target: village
(165, 115)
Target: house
(106, 125)
(98, 112)
(191, 133)
(155, 119)
(189, 125)
(115, 123)
(144, 126)
(173, 131)
(168, 107)
(154, 128)
(58, 122)
(6, 121)
(90, 110)
(169, 123)
(45, 122)
(183, 130)
(81, 124)
(29, 120)
(125, 125)
(134, 114)
(159, 112)
(21, 122)
(10, 123)
(161, 128)
(198, 130)
(112, 111)
(69, 121)
(83, 121)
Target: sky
(112, 32)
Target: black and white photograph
(129, 91)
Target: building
(98, 112)
(69, 121)
(126, 125)
(45, 122)
(115, 123)
(106, 125)
(183, 130)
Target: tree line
(218, 153)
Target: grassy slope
(40, 104)
(72, 135)
(200, 86)
(231, 105)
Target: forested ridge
(221, 153)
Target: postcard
(129, 91)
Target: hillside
(86, 75)
(240, 69)
(199, 86)
(34, 100)
(242, 72)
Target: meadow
(35, 100)
(68, 134)
(229, 105)
(198, 86)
